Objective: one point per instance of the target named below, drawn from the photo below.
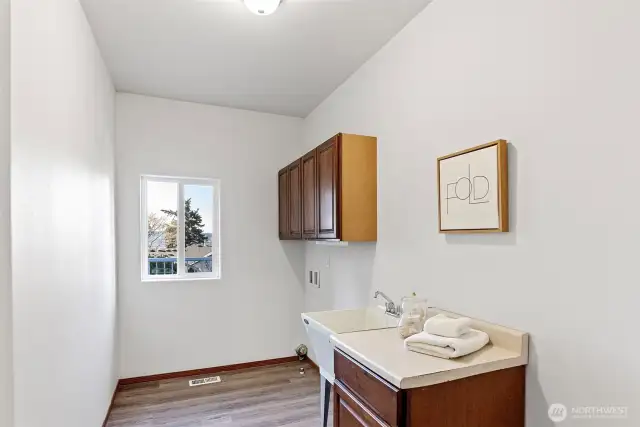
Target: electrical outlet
(313, 278)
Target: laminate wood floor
(257, 397)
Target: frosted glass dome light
(262, 7)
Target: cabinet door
(328, 166)
(283, 203)
(295, 200)
(347, 417)
(384, 399)
(309, 196)
(350, 412)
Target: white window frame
(215, 237)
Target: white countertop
(383, 352)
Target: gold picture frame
(496, 184)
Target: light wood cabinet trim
(503, 178)
(359, 188)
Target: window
(180, 223)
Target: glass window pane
(162, 227)
(198, 218)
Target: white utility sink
(322, 324)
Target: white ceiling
(218, 52)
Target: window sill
(178, 279)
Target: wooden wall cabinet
(295, 200)
(283, 203)
(337, 190)
(309, 196)
(290, 201)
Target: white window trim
(215, 238)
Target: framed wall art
(473, 190)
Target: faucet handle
(392, 309)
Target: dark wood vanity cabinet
(362, 398)
(337, 184)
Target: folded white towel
(447, 348)
(446, 326)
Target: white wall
(6, 342)
(559, 80)
(253, 312)
(62, 212)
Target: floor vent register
(204, 381)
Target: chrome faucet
(390, 307)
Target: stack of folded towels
(447, 338)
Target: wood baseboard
(113, 398)
(205, 371)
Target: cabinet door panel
(283, 204)
(328, 189)
(309, 196)
(384, 399)
(350, 412)
(347, 417)
(295, 200)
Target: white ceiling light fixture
(262, 7)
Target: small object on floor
(301, 371)
(447, 348)
(446, 326)
(302, 351)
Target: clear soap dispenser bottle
(413, 317)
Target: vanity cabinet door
(283, 204)
(348, 411)
(382, 398)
